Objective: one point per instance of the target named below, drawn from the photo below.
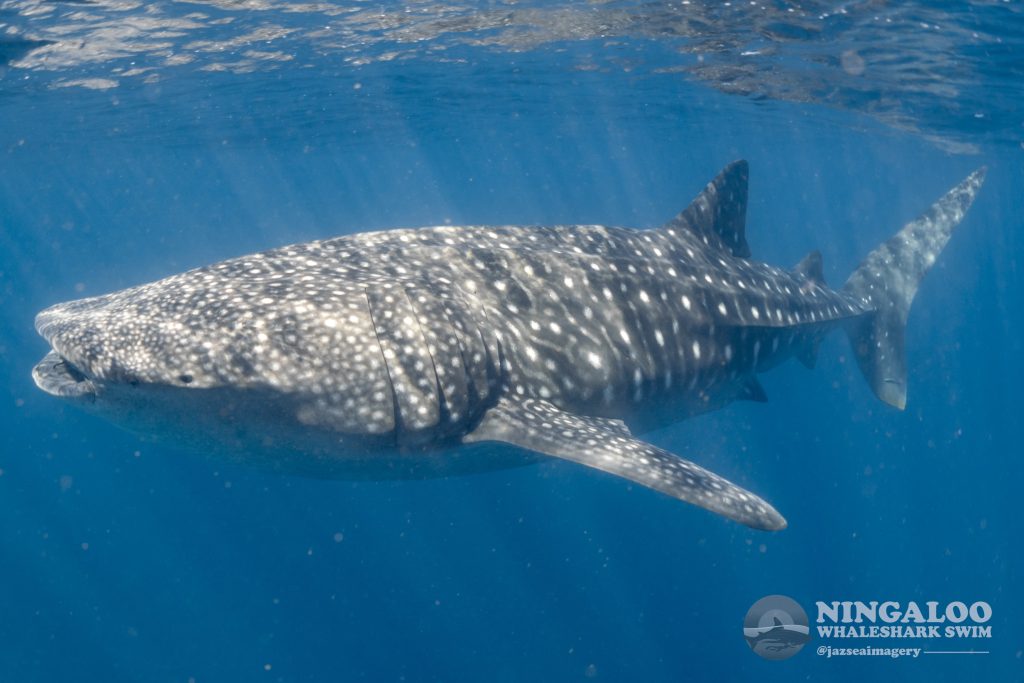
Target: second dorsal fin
(718, 215)
(810, 267)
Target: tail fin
(887, 281)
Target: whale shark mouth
(57, 376)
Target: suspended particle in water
(852, 63)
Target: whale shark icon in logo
(776, 627)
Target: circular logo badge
(776, 627)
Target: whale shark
(777, 637)
(426, 352)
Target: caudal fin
(887, 281)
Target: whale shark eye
(185, 379)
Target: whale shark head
(156, 370)
(112, 358)
(201, 363)
(231, 377)
(101, 348)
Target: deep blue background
(122, 561)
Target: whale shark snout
(83, 350)
(112, 345)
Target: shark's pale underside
(443, 350)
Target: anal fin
(607, 445)
(753, 391)
(807, 354)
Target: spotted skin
(608, 445)
(402, 352)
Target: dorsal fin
(718, 215)
(810, 267)
(778, 622)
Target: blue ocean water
(142, 139)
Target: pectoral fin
(607, 445)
